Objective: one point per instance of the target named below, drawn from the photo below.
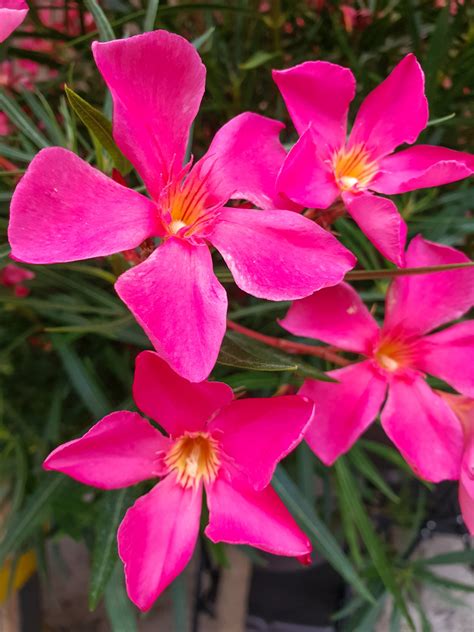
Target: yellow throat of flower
(195, 457)
(392, 355)
(353, 168)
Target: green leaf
(240, 351)
(106, 31)
(99, 127)
(317, 531)
(21, 120)
(445, 582)
(455, 557)
(360, 460)
(441, 119)
(150, 15)
(104, 555)
(202, 39)
(119, 608)
(259, 58)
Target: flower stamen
(195, 457)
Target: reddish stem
(327, 353)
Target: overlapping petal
(420, 167)
(380, 221)
(307, 173)
(120, 450)
(336, 315)
(64, 210)
(343, 410)
(258, 433)
(419, 303)
(176, 404)
(395, 112)
(157, 82)
(466, 502)
(241, 515)
(157, 538)
(279, 255)
(424, 428)
(176, 298)
(318, 92)
(12, 14)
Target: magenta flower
(13, 277)
(323, 165)
(230, 447)
(399, 354)
(64, 210)
(12, 14)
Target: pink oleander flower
(228, 447)
(12, 14)
(13, 277)
(64, 210)
(323, 164)
(398, 356)
(464, 409)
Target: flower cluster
(65, 210)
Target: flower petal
(176, 404)
(307, 175)
(424, 428)
(180, 304)
(395, 112)
(157, 537)
(279, 255)
(380, 221)
(413, 302)
(343, 410)
(157, 82)
(241, 515)
(336, 315)
(65, 210)
(448, 355)
(420, 167)
(258, 433)
(12, 14)
(120, 450)
(245, 157)
(318, 92)
(467, 507)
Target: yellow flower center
(194, 456)
(353, 168)
(394, 354)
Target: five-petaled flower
(323, 165)
(12, 14)
(230, 447)
(399, 354)
(65, 210)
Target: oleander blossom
(324, 165)
(65, 210)
(399, 355)
(463, 407)
(228, 447)
(12, 14)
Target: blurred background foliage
(67, 344)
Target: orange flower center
(394, 354)
(194, 456)
(353, 168)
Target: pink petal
(157, 537)
(157, 82)
(258, 433)
(176, 404)
(120, 450)
(180, 304)
(467, 507)
(307, 175)
(65, 210)
(449, 355)
(279, 255)
(343, 410)
(318, 92)
(422, 302)
(245, 157)
(424, 429)
(395, 112)
(335, 315)
(420, 167)
(241, 515)
(12, 14)
(380, 221)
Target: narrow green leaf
(446, 582)
(440, 120)
(21, 120)
(239, 351)
(259, 58)
(179, 597)
(317, 531)
(119, 608)
(367, 275)
(104, 555)
(99, 127)
(205, 37)
(150, 15)
(360, 460)
(455, 557)
(104, 27)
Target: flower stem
(366, 275)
